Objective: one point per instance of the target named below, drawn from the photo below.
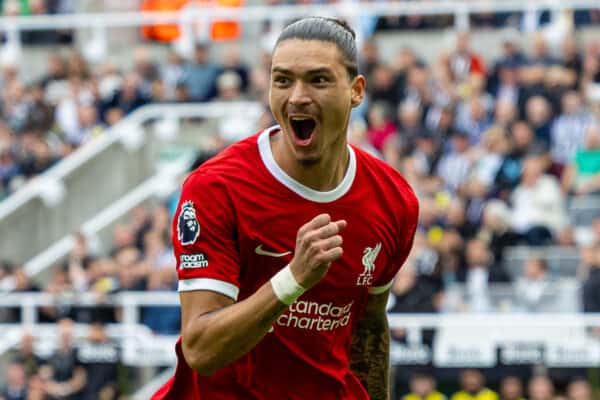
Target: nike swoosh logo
(259, 250)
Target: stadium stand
(497, 127)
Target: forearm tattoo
(370, 356)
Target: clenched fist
(318, 244)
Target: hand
(318, 244)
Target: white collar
(264, 148)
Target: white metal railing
(349, 9)
(131, 302)
(461, 339)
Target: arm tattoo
(370, 354)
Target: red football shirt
(236, 227)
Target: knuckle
(334, 228)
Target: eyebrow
(314, 71)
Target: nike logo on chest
(261, 252)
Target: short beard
(307, 163)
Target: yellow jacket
(430, 396)
(484, 394)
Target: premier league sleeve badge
(188, 228)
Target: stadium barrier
(474, 339)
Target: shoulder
(489, 394)
(459, 396)
(440, 396)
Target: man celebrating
(285, 275)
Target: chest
(267, 241)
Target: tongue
(303, 128)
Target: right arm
(216, 331)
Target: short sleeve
(406, 235)
(204, 239)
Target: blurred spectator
(16, 383)
(464, 61)
(423, 387)
(472, 383)
(533, 288)
(9, 169)
(579, 389)
(358, 136)
(456, 219)
(539, 116)
(58, 285)
(26, 356)
(65, 377)
(100, 358)
(541, 388)
(418, 286)
(411, 294)
(200, 75)
(505, 112)
(511, 388)
(479, 273)
(38, 159)
(590, 258)
(417, 88)
(233, 127)
(568, 129)
(473, 118)
(540, 52)
(128, 98)
(538, 205)
(384, 88)
(454, 167)
(494, 147)
(145, 69)
(66, 112)
(368, 59)
(582, 176)
(496, 230)
(124, 235)
(380, 125)
(521, 142)
(511, 59)
(172, 74)
(427, 152)
(40, 113)
(56, 71)
(232, 62)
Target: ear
(358, 90)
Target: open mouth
(303, 128)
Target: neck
(324, 174)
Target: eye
(281, 80)
(320, 80)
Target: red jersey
(236, 227)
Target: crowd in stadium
(496, 150)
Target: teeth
(300, 118)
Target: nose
(299, 95)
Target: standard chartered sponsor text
(315, 316)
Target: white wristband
(285, 286)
